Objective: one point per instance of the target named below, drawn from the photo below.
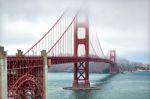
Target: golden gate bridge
(25, 74)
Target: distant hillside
(130, 64)
(93, 67)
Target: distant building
(147, 66)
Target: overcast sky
(123, 25)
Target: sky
(123, 25)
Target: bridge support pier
(112, 69)
(3, 74)
(45, 73)
(81, 75)
(87, 82)
(75, 81)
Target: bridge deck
(57, 60)
(61, 60)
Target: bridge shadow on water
(104, 80)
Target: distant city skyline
(122, 25)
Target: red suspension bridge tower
(81, 69)
(112, 57)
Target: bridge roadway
(53, 60)
(61, 60)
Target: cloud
(121, 24)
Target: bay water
(130, 85)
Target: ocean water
(135, 85)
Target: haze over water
(135, 85)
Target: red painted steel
(35, 45)
(25, 77)
(62, 35)
(27, 72)
(81, 69)
(112, 57)
(63, 60)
